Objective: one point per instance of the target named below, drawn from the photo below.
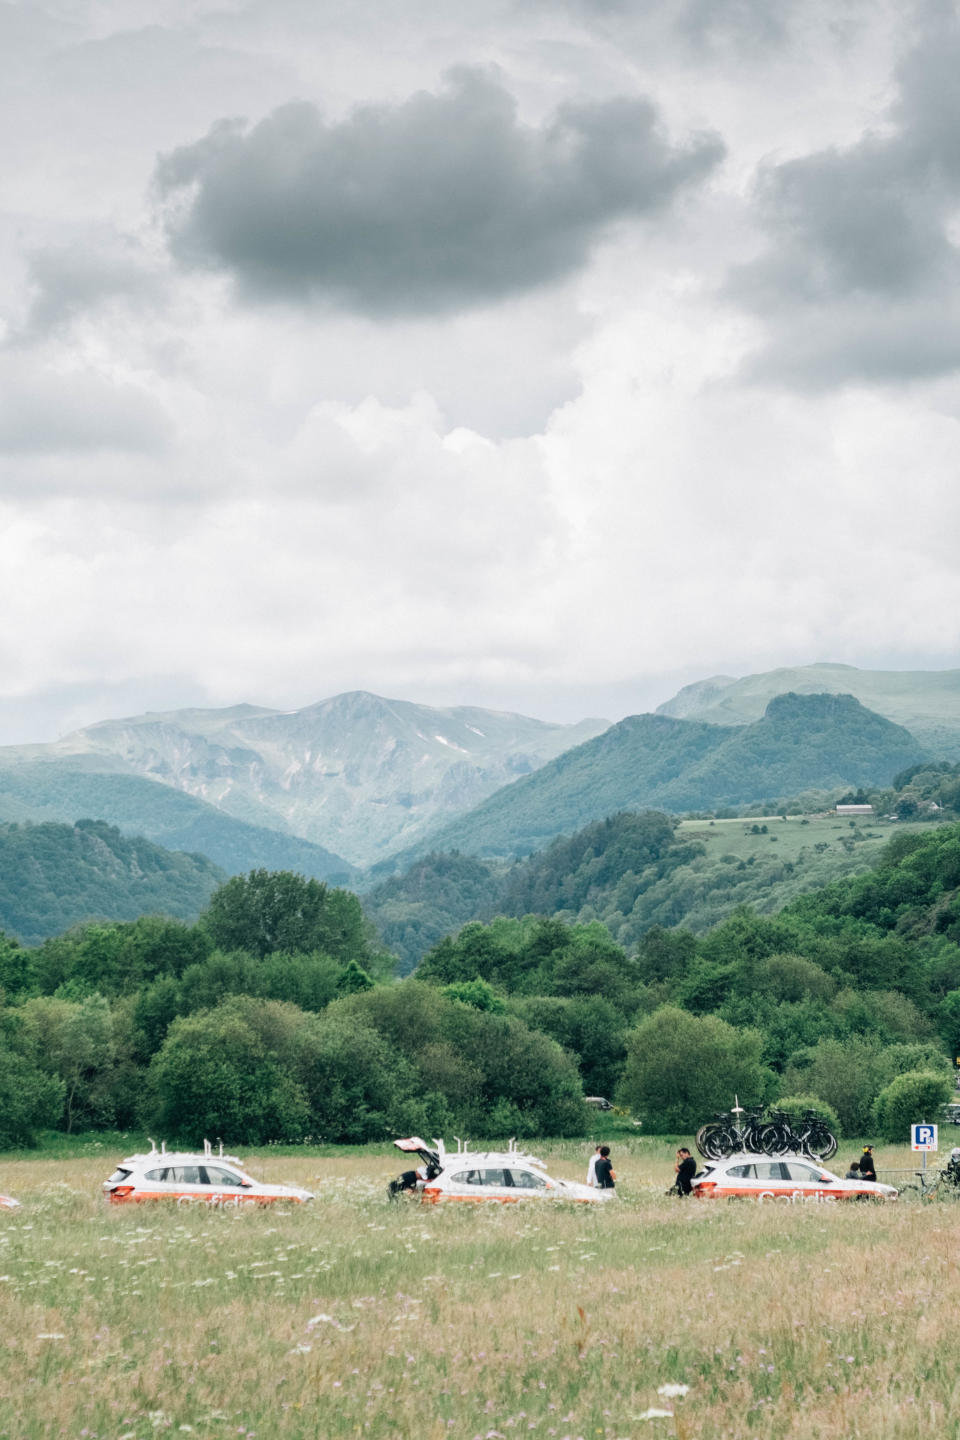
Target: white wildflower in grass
(51, 1335)
(654, 1414)
(328, 1320)
(672, 1391)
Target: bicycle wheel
(820, 1142)
(774, 1140)
(700, 1140)
(753, 1136)
(724, 1142)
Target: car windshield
(118, 1175)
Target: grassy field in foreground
(354, 1317)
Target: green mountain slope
(802, 742)
(927, 702)
(54, 876)
(67, 790)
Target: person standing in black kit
(868, 1171)
(604, 1170)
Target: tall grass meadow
(354, 1316)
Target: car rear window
(118, 1175)
(742, 1172)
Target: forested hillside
(803, 742)
(65, 791)
(274, 1017)
(54, 876)
(633, 871)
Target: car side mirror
(247, 1184)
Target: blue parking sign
(923, 1137)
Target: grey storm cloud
(438, 203)
(861, 273)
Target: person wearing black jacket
(868, 1171)
(686, 1168)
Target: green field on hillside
(355, 1317)
(865, 839)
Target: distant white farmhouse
(854, 809)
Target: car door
(740, 1181)
(466, 1185)
(230, 1188)
(181, 1183)
(527, 1184)
(807, 1180)
(498, 1185)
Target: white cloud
(538, 503)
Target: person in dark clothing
(404, 1184)
(868, 1171)
(604, 1170)
(686, 1168)
(854, 1171)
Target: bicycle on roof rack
(775, 1134)
(724, 1135)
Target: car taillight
(706, 1187)
(430, 1194)
(120, 1192)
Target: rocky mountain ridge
(358, 774)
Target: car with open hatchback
(470, 1176)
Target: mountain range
(926, 702)
(392, 782)
(359, 775)
(801, 743)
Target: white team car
(190, 1177)
(794, 1179)
(506, 1176)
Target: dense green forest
(276, 1015)
(68, 790)
(633, 871)
(803, 742)
(53, 876)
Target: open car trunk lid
(416, 1146)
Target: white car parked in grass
(506, 1176)
(791, 1178)
(189, 1177)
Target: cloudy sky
(544, 354)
